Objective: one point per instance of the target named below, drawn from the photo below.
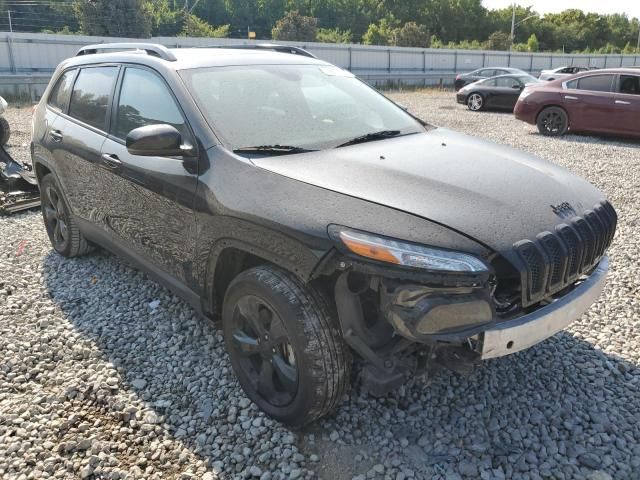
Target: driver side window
(507, 82)
(145, 100)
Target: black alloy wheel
(266, 356)
(553, 122)
(55, 218)
(64, 234)
(285, 344)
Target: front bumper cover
(523, 332)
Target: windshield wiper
(370, 137)
(273, 149)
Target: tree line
(417, 23)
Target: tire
(285, 345)
(64, 234)
(475, 102)
(553, 122)
(5, 131)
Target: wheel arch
(229, 257)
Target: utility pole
(637, 46)
(513, 25)
(11, 26)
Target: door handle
(569, 97)
(622, 102)
(56, 135)
(111, 161)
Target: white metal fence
(28, 59)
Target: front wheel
(475, 102)
(285, 345)
(553, 122)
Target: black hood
(494, 194)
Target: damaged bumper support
(418, 314)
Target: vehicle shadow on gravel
(562, 406)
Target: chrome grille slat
(554, 260)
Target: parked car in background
(498, 92)
(463, 79)
(602, 101)
(561, 72)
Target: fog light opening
(510, 344)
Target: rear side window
(146, 100)
(596, 83)
(630, 84)
(59, 96)
(92, 94)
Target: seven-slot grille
(555, 260)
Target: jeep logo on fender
(563, 210)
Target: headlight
(406, 254)
(525, 93)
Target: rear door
(151, 209)
(77, 136)
(588, 101)
(626, 108)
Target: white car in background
(560, 72)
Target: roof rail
(154, 49)
(268, 46)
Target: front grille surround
(555, 260)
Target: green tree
(413, 35)
(381, 33)
(499, 41)
(333, 35)
(532, 43)
(114, 18)
(196, 27)
(296, 27)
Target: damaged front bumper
(523, 332)
(420, 315)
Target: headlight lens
(525, 93)
(406, 254)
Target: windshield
(306, 106)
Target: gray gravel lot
(96, 381)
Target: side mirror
(517, 87)
(160, 140)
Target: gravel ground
(105, 374)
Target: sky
(630, 7)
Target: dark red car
(598, 101)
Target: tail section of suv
(325, 226)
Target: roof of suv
(198, 57)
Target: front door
(507, 92)
(150, 210)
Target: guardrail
(28, 59)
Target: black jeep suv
(323, 224)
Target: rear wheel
(285, 346)
(64, 234)
(5, 131)
(475, 102)
(553, 122)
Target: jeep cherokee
(321, 222)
